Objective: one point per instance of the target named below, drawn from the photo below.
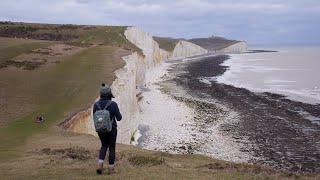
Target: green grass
(80, 35)
(7, 53)
(146, 161)
(167, 44)
(79, 162)
(7, 42)
(56, 91)
(213, 43)
(105, 35)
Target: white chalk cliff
(126, 87)
(186, 49)
(132, 77)
(238, 47)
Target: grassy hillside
(9, 42)
(52, 70)
(53, 92)
(10, 48)
(167, 44)
(213, 43)
(64, 155)
(81, 35)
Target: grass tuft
(146, 161)
(78, 153)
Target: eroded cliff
(186, 49)
(126, 88)
(239, 47)
(131, 79)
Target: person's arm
(117, 112)
(94, 108)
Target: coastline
(291, 72)
(160, 116)
(171, 121)
(270, 127)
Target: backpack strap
(98, 105)
(108, 104)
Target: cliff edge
(131, 80)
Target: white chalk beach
(168, 125)
(162, 116)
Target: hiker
(105, 114)
(39, 119)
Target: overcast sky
(256, 21)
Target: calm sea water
(293, 71)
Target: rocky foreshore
(261, 128)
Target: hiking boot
(111, 170)
(99, 171)
(100, 168)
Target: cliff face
(186, 49)
(127, 87)
(150, 48)
(81, 122)
(239, 47)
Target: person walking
(105, 114)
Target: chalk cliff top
(166, 43)
(79, 35)
(213, 43)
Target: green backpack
(102, 120)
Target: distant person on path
(39, 119)
(105, 114)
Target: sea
(293, 71)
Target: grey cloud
(258, 21)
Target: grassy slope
(55, 92)
(10, 48)
(65, 155)
(167, 44)
(213, 43)
(73, 34)
(8, 42)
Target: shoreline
(173, 123)
(270, 127)
(279, 73)
(160, 116)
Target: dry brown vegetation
(64, 155)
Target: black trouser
(108, 140)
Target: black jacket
(112, 108)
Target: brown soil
(46, 56)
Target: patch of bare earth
(46, 56)
(120, 52)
